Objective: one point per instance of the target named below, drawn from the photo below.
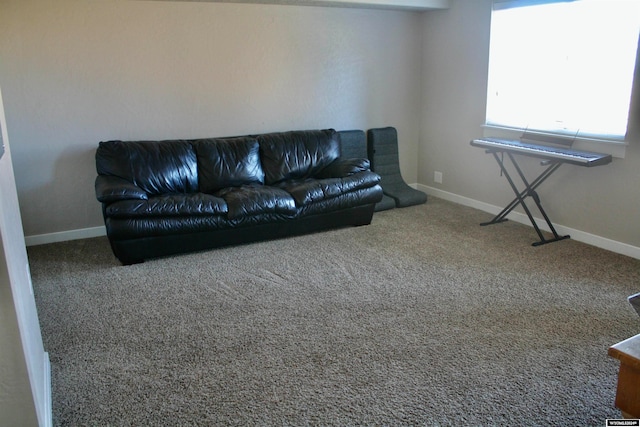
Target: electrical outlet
(437, 177)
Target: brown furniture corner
(628, 392)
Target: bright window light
(563, 67)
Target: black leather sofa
(167, 197)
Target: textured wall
(77, 72)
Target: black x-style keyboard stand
(529, 191)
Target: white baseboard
(580, 236)
(63, 236)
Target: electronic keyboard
(553, 157)
(576, 157)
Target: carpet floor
(421, 318)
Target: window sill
(616, 149)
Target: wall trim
(578, 235)
(63, 236)
(417, 5)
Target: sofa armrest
(111, 189)
(341, 168)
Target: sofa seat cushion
(297, 154)
(169, 205)
(250, 200)
(228, 162)
(309, 191)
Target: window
(563, 67)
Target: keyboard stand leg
(529, 191)
(534, 195)
(515, 202)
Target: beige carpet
(421, 318)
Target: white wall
(75, 72)
(25, 389)
(602, 201)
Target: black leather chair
(354, 146)
(382, 148)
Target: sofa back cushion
(228, 162)
(157, 167)
(297, 154)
